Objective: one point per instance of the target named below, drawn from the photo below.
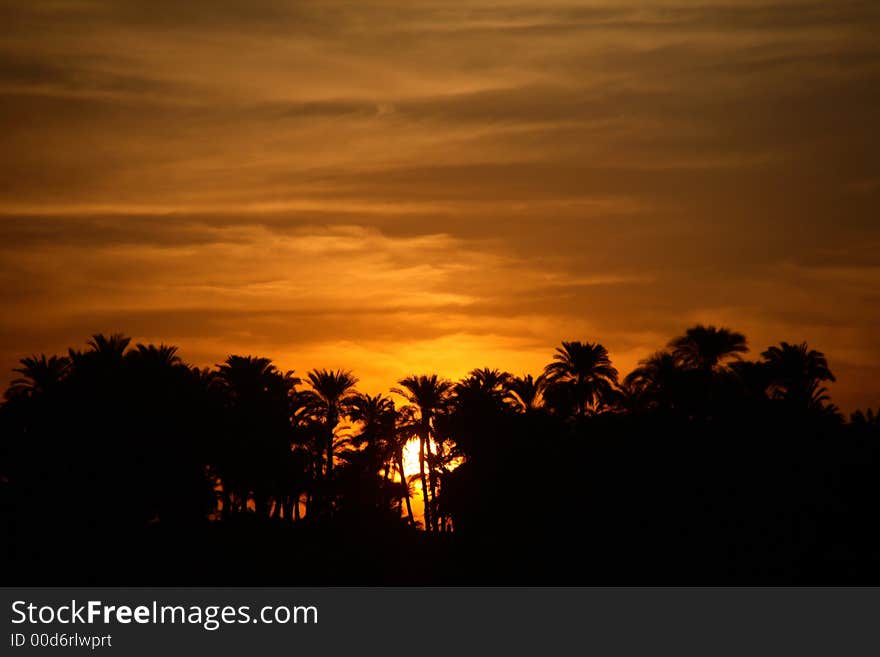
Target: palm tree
(157, 371)
(377, 417)
(706, 347)
(39, 375)
(796, 373)
(109, 348)
(866, 418)
(104, 356)
(406, 427)
(430, 395)
(582, 373)
(656, 382)
(162, 356)
(328, 399)
(258, 397)
(751, 377)
(250, 376)
(481, 387)
(524, 392)
(491, 381)
(384, 439)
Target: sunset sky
(403, 187)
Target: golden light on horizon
(411, 468)
(397, 188)
(411, 458)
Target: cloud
(388, 184)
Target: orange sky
(404, 186)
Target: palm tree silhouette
(866, 418)
(582, 372)
(109, 349)
(39, 375)
(328, 399)
(656, 382)
(103, 358)
(706, 347)
(484, 383)
(161, 356)
(429, 394)
(384, 440)
(251, 376)
(132, 444)
(524, 392)
(795, 373)
(491, 381)
(406, 428)
(377, 417)
(258, 399)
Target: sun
(411, 457)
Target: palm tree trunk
(439, 519)
(582, 398)
(322, 502)
(424, 479)
(330, 454)
(409, 511)
(432, 478)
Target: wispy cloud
(389, 184)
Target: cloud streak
(393, 186)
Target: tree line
(121, 437)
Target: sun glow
(411, 468)
(411, 457)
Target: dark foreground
(725, 508)
(698, 468)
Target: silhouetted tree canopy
(697, 467)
